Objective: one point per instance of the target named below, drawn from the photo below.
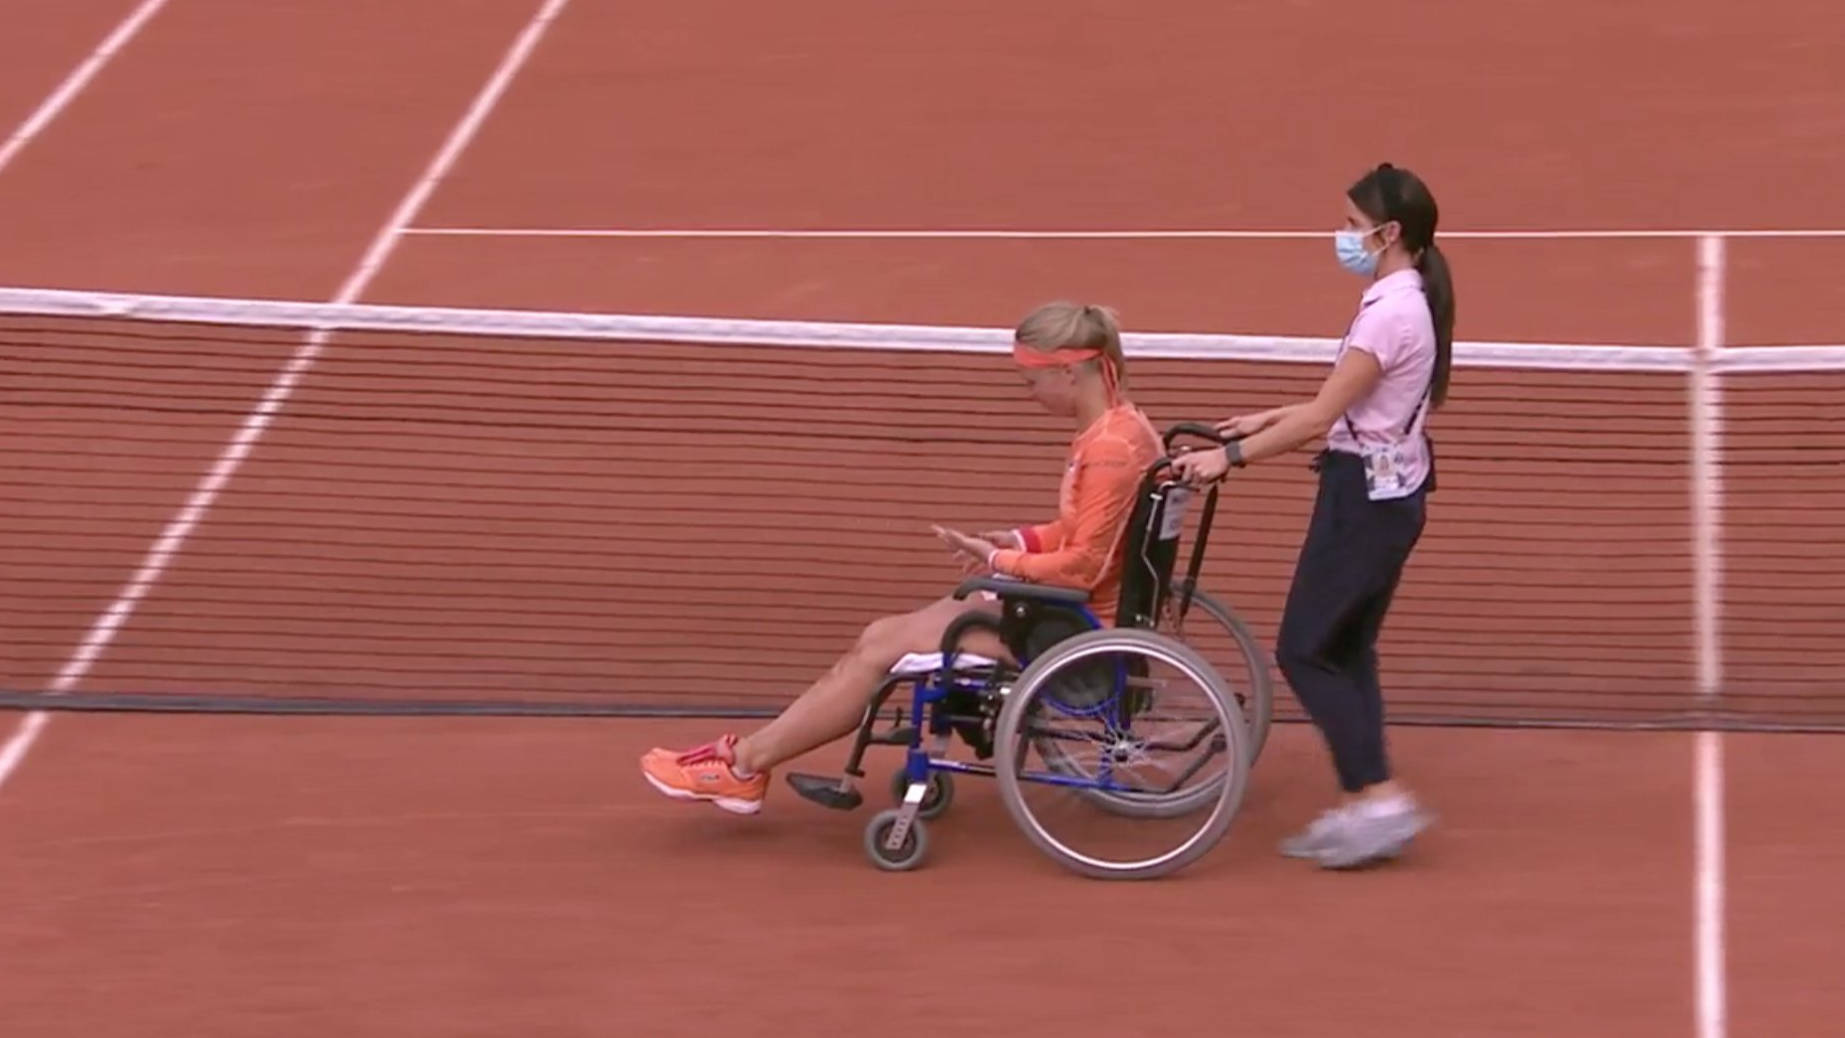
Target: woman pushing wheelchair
(1070, 358)
(1375, 475)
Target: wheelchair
(1078, 686)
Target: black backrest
(1150, 548)
(1149, 555)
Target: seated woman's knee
(883, 641)
(880, 636)
(889, 637)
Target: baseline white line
(199, 502)
(1081, 235)
(49, 109)
(80, 77)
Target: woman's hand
(1003, 538)
(975, 549)
(1197, 468)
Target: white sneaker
(1320, 833)
(1373, 831)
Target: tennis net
(246, 505)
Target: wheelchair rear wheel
(1227, 644)
(1167, 752)
(1234, 654)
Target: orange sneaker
(705, 773)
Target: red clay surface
(1114, 114)
(1783, 889)
(1781, 292)
(246, 149)
(227, 875)
(295, 877)
(44, 40)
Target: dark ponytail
(1438, 286)
(1387, 194)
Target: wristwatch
(1234, 451)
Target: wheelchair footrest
(826, 791)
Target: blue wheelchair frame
(931, 695)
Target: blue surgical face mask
(1353, 256)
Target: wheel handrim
(1232, 736)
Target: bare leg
(835, 705)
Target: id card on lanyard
(1387, 465)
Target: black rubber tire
(1260, 707)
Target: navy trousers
(1344, 580)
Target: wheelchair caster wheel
(908, 855)
(937, 795)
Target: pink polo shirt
(1393, 325)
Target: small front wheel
(909, 852)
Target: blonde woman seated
(1070, 357)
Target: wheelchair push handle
(1197, 429)
(1184, 586)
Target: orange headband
(1027, 357)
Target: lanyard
(1414, 415)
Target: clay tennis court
(556, 520)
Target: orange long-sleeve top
(1081, 548)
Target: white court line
(1707, 771)
(451, 150)
(161, 553)
(49, 109)
(1081, 235)
(79, 78)
(22, 739)
(1712, 1001)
